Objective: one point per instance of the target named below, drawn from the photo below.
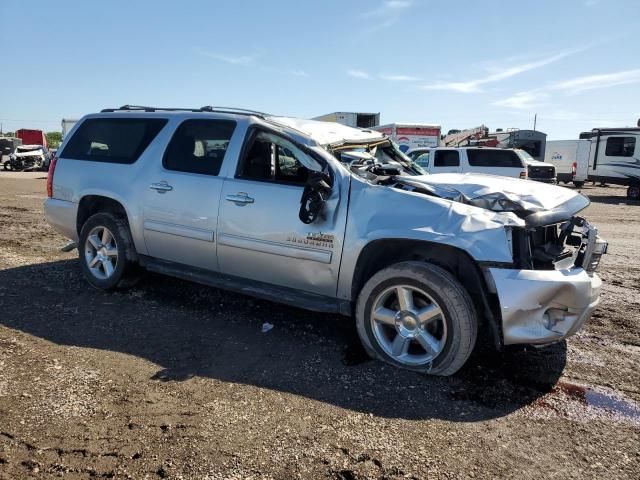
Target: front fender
(379, 212)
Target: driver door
(260, 235)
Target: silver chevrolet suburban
(327, 218)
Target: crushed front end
(553, 288)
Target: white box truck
(67, 125)
(412, 135)
(571, 159)
(351, 119)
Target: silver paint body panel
(197, 223)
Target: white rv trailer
(571, 159)
(614, 157)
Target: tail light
(574, 166)
(52, 168)
(523, 175)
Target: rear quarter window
(494, 158)
(112, 140)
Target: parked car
(327, 218)
(28, 157)
(8, 145)
(494, 161)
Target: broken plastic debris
(266, 326)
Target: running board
(253, 288)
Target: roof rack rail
(239, 111)
(141, 108)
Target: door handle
(240, 197)
(161, 187)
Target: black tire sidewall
(115, 226)
(460, 315)
(452, 328)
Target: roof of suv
(323, 133)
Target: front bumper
(544, 306)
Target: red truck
(32, 137)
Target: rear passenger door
(182, 198)
(445, 161)
(494, 161)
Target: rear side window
(620, 146)
(112, 140)
(494, 158)
(199, 146)
(446, 158)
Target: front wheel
(633, 192)
(417, 316)
(106, 251)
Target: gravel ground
(176, 380)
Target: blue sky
(456, 63)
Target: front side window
(272, 158)
(446, 158)
(199, 146)
(620, 146)
(113, 140)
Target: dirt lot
(175, 380)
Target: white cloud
(474, 86)
(523, 100)
(242, 60)
(399, 78)
(389, 7)
(358, 74)
(592, 82)
(298, 72)
(535, 98)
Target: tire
(578, 184)
(633, 192)
(433, 290)
(118, 251)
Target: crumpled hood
(29, 153)
(538, 203)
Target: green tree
(54, 139)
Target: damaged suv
(327, 218)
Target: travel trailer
(614, 157)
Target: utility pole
(535, 119)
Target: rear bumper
(544, 306)
(61, 215)
(552, 180)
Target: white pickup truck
(504, 162)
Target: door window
(446, 158)
(620, 146)
(423, 160)
(272, 158)
(199, 146)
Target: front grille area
(572, 243)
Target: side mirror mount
(315, 194)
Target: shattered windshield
(377, 159)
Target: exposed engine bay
(548, 234)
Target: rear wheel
(106, 251)
(633, 192)
(417, 316)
